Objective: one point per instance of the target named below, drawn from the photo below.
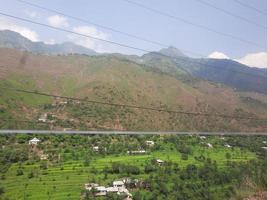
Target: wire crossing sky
(139, 23)
(193, 114)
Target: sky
(129, 18)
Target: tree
(19, 172)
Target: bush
(19, 172)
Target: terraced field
(65, 180)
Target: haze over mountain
(11, 39)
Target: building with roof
(34, 141)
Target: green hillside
(118, 80)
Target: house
(202, 137)
(96, 148)
(118, 184)
(264, 142)
(265, 148)
(160, 162)
(209, 145)
(227, 145)
(43, 157)
(100, 191)
(67, 129)
(150, 143)
(112, 189)
(136, 152)
(34, 141)
(89, 186)
(43, 118)
(118, 188)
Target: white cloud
(218, 55)
(254, 60)
(89, 42)
(58, 21)
(24, 31)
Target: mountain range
(11, 39)
(167, 79)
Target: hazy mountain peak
(172, 51)
(14, 40)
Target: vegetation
(117, 80)
(190, 170)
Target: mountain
(171, 81)
(108, 78)
(224, 71)
(172, 52)
(10, 39)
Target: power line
(90, 22)
(127, 46)
(250, 7)
(104, 27)
(135, 106)
(194, 24)
(231, 14)
(47, 123)
(72, 32)
(25, 121)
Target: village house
(118, 184)
(89, 186)
(136, 152)
(150, 143)
(160, 162)
(265, 148)
(227, 145)
(118, 187)
(43, 157)
(63, 102)
(264, 142)
(202, 137)
(96, 148)
(43, 118)
(101, 191)
(34, 141)
(209, 145)
(67, 129)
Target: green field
(65, 178)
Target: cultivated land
(219, 172)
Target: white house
(43, 118)
(202, 137)
(265, 148)
(209, 145)
(227, 145)
(118, 184)
(34, 141)
(96, 148)
(89, 186)
(264, 142)
(101, 191)
(150, 143)
(160, 162)
(136, 152)
(44, 157)
(118, 188)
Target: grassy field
(66, 180)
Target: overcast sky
(126, 17)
